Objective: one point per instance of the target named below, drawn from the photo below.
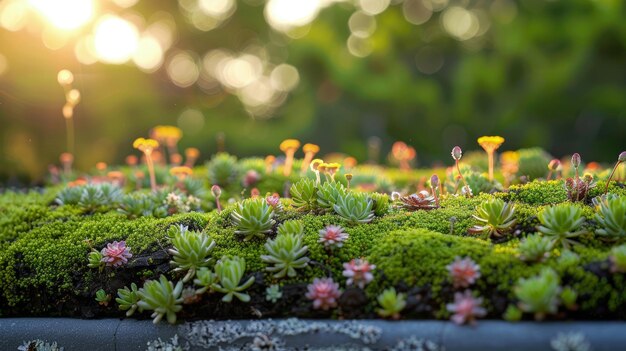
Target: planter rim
(130, 334)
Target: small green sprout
(95, 259)
(560, 223)
(204, 278)
(273, 293)
(253, 218)
(102, 297)
(229, 272)
(391, 303)
(162, 297)
(495, 216)
(128, 299)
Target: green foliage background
(551, 76)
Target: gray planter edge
(296, 334)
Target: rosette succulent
(324, 292)
(611, 216)
(495, 217)
(560, 223)
(94, 259)
(229, 271)
(534, 248)
(539, 294)
(116, 254)
(191, 250)
(162, 297)
(391, 303)
(333, 236)
(355, 207)
(223, 169)
(466, 308)
(304, 195)
(253, 218)
(328, 195)
(128, 299)
(136, 205)
(286, 253)
(204, 279)
(291, 227)
(420, 201)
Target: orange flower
(490, 143)
(181, 172)
(289, 147)
(309, 152)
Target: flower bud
(554, 164)
(457, 153)
(622, 157)
(348, 176)
(216, 190)
(575, 160)
(434, 181)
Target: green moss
(539, 192)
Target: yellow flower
(315, 164)
(181, 171)
(490, 143)
(289, 144)
(145, 145)
(310, 148)
(169, 133)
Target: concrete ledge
(120, 335)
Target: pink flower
(464, 272)
(324, 293)
(358, 272)
(332, 236)
(466, 308)
(116, 254)
(456, 153)
(251, 178)
(273, 200)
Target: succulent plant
(204, 279)
(420, 201)
(333, 236)
(102, 297)
(253, 218)
(324, 292)
(560, 223)
(539, 294)
(611, 216)
(191, 250)
(136, 205)
(381, 203)
(463, 272)
(273, 293)
(229, 271)
(355, 207)
(617, 257)
(495, 216)
(116, 254)
(328, 195)
(95, 259)
(128, 298)
(96, 196)
(359, 272)
(69, 195)
(291, 227)
(534, 248)
(391, 303)
(512, 314)
(286, 253)
(304, 195)
(568, 297)
(223, 169)
(466, 308)
(162, 297)
(274, 201)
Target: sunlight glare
(65, 14)
(115, 39)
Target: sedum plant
(328, 195)
(617, 257)
(102, 297)
(304, 195)
(204, 279)
(611, 216)
(191, 250)
(355, 207)
(229, 273)
(539, 294)
(253, 218)
(286, 253)
(223, 169)
(128, 299)
(391, 303)
(560, 223)
(495, 217)
(273, 293)
(534, 248)
(291, 227)
(94, 259)
(162, 297)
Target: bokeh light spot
(115, 39)
(65, 14)
(183, 70)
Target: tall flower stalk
(621, 158)
(289, 147)
(72, 98)
(490, 144)
(147, 146)
(457, 153)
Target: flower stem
(151, 171)
(490, 154)
(606, 188)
